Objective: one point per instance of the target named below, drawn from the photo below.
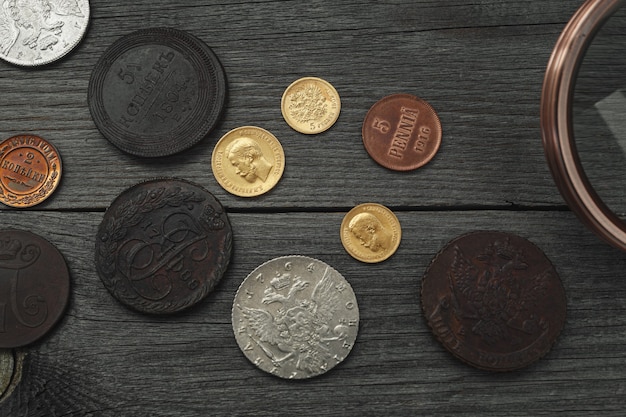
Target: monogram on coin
(494, 300)
(36, 32)
(163, 245)
(295, 317)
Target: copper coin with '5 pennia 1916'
(156, 92)
(494, 300)
(163, 245)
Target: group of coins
(492, 299)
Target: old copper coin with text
(30, 170)
(34, 287)
(295, 317)
(163, 245)
(401, 132)
(156, 92)
(494, 300)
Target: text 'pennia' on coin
(310, 105)
(295, 317)
(163, 245)
(30, 170)
(37, 33)
(494, 300)
(34, 287)
(370, 232)
(248, 161)
(401, 132)
(156, 92)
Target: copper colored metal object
(34, 287)
(401, 132)
(30, 170)
(557, 127)
(494, 300)
(163, 245)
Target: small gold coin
(30, 170)
(248, 161)
(370, 233)
(310, 105)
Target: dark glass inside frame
(557, 122)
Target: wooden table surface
(479, 63)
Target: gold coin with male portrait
(370, 232)
(248, 161)
(310, 105)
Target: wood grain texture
(479, 63)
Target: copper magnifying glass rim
(557, 127)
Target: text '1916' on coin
(156, 92)
(494, 300)
(295, 317)
(163, 245)
(401, 132)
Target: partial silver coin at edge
(37, 32)
(295, 317)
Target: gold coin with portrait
(248, 161)
(370, 232)
(310, 105)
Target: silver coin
(37, 32)
(295, 317)
(6, 369)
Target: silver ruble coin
(6, 369)
(37, 32)
(295, 317)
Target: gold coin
(30, 170)
(310, 105)
(248, 161)
(370, 233)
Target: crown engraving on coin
(310, 105)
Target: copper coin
(401, 132)
(494, 300)
(163, 245)
(34, 287)
(156, 92)
(30, 170)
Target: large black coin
(34, 287)
(156, 92)
(163, 245)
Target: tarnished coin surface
(295, 317)
(494, 300)
(163, 245)
(401, 132)
(310, 105)
(156, 92)
(37, 32)
(7, 366)
(30, 170)
(248, 161)
(370, 232)
(34, 287)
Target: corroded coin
(34, 287)
(30, 170)
(295, 317)
(370, 232)
(494, 300)
(248, 161)
(39, 32)
(310, 105)
(156, 92)
(163, 245)
(401, 132)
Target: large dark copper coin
(30, 170)
(156, 92)
(34, 287)
(163, 245)
(494, 300)
(401, 132)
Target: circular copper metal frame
(557, 127)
